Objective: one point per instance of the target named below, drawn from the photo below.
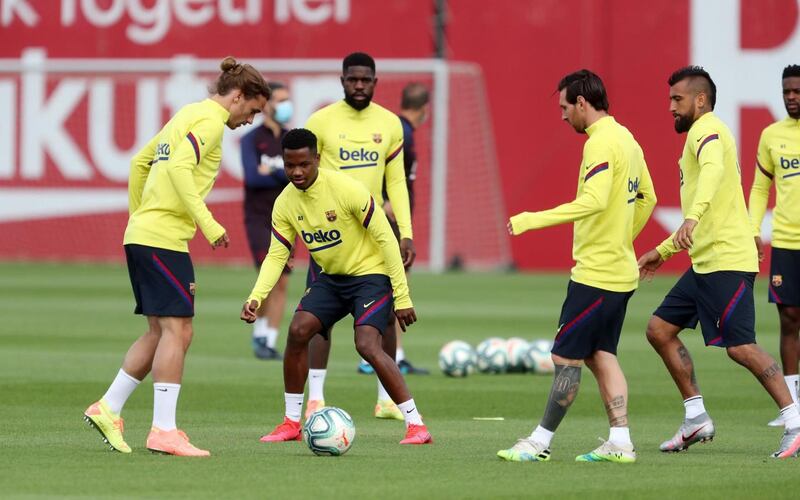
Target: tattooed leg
(566, 381)
(765, 369)
(617, 411)
(663, 336)
(613, 386)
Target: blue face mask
(283, 112)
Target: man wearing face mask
(264, 179)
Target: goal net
(74, 124)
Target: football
(329, 431)
(492, 355)
(538, 359)
(516, 349)
(457, 359)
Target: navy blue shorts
(722, 301)
(367, 298)
(591, 320)
(784, 271)
(162, 281)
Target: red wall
(523, 47)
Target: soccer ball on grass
(492, 355)
(329, 431)
(457, 359)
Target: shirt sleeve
(645, 201)
(759, 193)
(667, 247)
(250, 157)
(280, 247)
(362, 205)
(140, 169)
(409, 152)
(596, 182)
(709, 154)
(188, 153)
(396, 186)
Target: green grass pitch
(65, 328)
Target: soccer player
(779, 160)
(264, 180)
(344, 228)
(717, 290)
(414, 111)
(169, 179)
(615, 198)
(365, 141)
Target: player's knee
(655, 334)
(740, 353)
(299, 334)
(368, 349)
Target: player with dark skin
(302, 169)
(358, 83)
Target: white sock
(791, 416)
(619, 435)
(260, 327)
(294, 406)
(272, 336)
(542, 435)
(382, 394)
(119, 391)
(316, 384)
(165, 403)
(410, 413)
(400, 355)
(694, 406)
(792, 382)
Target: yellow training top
(171, 176)
(711, 193)
(368, 146)
(615, 198)
(343, 229)
(779, 161)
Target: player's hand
(683, 236)
(249, 311)
(648, 263)
(510, 228)
(760, 248)
(405, 317)
(222, 241)
(407, 252)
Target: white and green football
(457, 359)
(329, 431)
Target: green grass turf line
(65, 328)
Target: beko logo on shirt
(633, 185)
(320, 236)
(360, 154)
(787, 163)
